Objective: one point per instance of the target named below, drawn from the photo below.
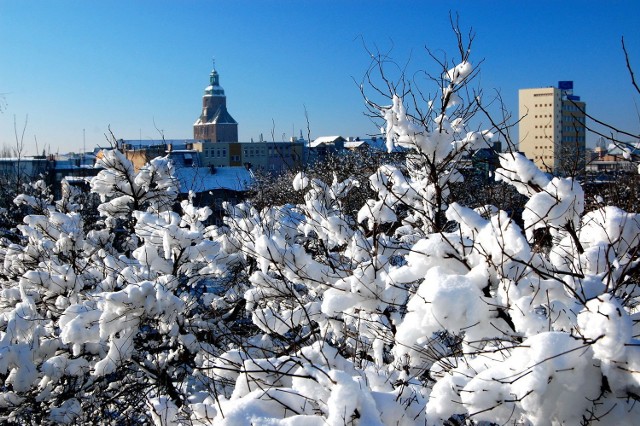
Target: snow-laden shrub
(92, 329)
(420, 310)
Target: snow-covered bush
(97, 325)
(420, 310)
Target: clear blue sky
(74, 65)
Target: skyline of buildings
(551, 128)
(215, 135)
(77, 72)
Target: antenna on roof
(213, 61)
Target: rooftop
(325, 140)
(201, 179)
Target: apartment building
(552, 128)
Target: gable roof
(377, 144)
(222, 116)
(326, 140)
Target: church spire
(214, 78)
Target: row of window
(543, 105)
(576, 129)
(569, 107)
(255, 152)
(234, 158)
(272, 152)
(572, 119)
(573, 139)
(247, 152)
(215, 153)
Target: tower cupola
(214, 88)
(214, 78)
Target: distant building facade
(621, 158)
(25, 168)
(325, 146)
(140, 152)
(552, 127)
(52, 169)
(269, 156)
(481, 162)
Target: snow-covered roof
(184, 158)
(222, 116)
(629, 149)
(200, 179)
(140, 143)
(353, 144)
(22, 159)
(325, 140)
(378, 144)
(78, 179)
(219, 116)
(147, 143)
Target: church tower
(215, 124)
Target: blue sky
(140, 67)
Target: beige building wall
(552, 130)
(540, 126)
